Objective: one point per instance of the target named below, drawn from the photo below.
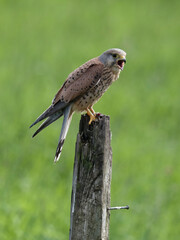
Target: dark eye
(114, 55)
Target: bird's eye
(114, 55)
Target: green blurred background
(41, 42)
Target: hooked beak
(121, 61)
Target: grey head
(114, 57)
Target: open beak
(121, 61)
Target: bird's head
(114, 58)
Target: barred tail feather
(64, 130)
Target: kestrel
(81, 90)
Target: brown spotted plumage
(81, 90)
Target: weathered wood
(91, 181)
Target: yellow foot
(92, 118)
(91, 115)
(92, 110)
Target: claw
(92, 118)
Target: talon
(92, 118)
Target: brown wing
(80, 81)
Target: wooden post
(90, 198)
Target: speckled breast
(93, 94)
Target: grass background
(41, 42)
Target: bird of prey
(81, 90)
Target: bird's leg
(96, 115)
(92, 110)
(90, 114)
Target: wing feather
(80, 81)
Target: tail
(65, 127)
(50, 111)
(52, 114)
(47, 122)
